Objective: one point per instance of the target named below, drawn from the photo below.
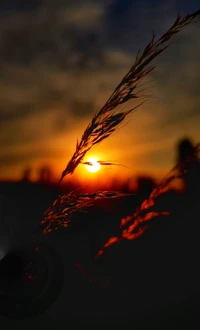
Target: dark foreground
(148, 283)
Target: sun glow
(93, 165)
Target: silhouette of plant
(105, 123)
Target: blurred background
(59, 63)
(61, 60)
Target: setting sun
(93, 165)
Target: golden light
(94, 167)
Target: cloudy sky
(60, 61)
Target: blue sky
(60, 62)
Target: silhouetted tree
(45, 174)
(145, 185)
(26, 175)
(187, 156)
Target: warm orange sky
(51, 88)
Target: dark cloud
(19, 5)
(17, 158)
(51, 35)
(20, 136)
(63, 104)
(12, 112)
(130, 23)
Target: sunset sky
(61, 60)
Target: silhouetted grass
(105, 123)
(107, 120)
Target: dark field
(150, 282)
